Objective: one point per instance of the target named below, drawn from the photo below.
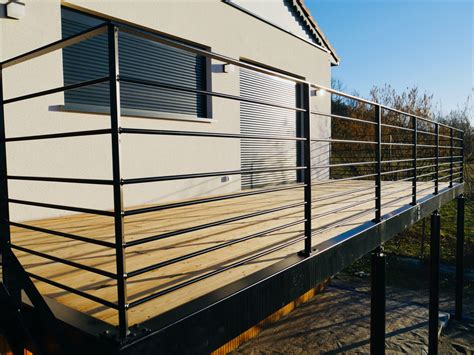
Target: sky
(427, 43)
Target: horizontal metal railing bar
(319, 113)
(427, 174)
(449, 147)
(61, 207)
(330, 140)
(93, 132)
(373, 103)
(73, 290)
(340, 222)
(397, 127)
(215, 272)
(396, 161)
(340, 209)
(391, 191)
(419, 167)
(398, 144)
(428, 158)
(63, 234)
(344, 193)
(211, 224)
(210, 249)
(210, 174)
(343, 179)
(343, 164)
(56, 90)
(444, 170)
(448, 176)
(207, 134)
(128, 79)
(60, 179)
(426, 146)
(390, 182)
(209, 199)
(458, 178)
(426, 132)
(343, 94)
(449, 163)
(446, 136)
(65, 262)
(395, 171)
(427, 188)
(395, 199)
(349, 197)
(62, 43)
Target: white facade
(213, 23)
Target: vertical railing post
(414, 157)
(378, 163)
(8, 278)
(459, 289)
(114, 87)
(437, 160)
(451, 161)
(434, 284)
(377, 303)
(306, 133)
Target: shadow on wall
(3, 11)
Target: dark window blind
(138, 58)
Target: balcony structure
(191, 274)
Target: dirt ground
(337, 320)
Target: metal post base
(377, 312)
(434, 284)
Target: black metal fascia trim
(214, 319)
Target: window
(138, 58)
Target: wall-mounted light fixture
(318, 92)
(16, 10)
(229, 68)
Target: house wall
(225, 29)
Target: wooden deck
(144, 225)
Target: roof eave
(312, 22)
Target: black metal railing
(425, 152)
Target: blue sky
(428, 43)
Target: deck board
(153, 223)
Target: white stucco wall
(225, 29)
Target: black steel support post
(461, 180)
(378, 163)
(451, 159)
(437, 160)
(459, 289)
(114, 88)
(306, 123)
(414, 157)
(377, 303)
(434, 284)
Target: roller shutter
(139, 58)
(264, 120)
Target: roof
(313, 25)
